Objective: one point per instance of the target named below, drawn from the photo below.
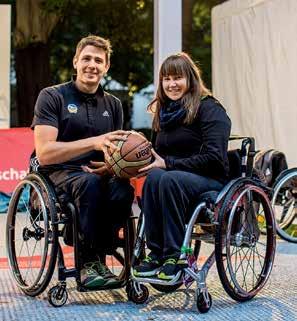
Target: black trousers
(102, 203)
(169, 198)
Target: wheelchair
(37, 221)
(235, 218)
(284, 203)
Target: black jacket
(200, 147)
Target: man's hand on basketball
(157, 163)
(103, 142)
(98, 168)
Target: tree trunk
(34, 25)
(187, 24)
(33, 74)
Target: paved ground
(278, 300)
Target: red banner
(16, 146)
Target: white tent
(254, 63)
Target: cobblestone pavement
(277, 301)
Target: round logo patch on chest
(72, 108)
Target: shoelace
(147, 259)
(170, 261)
(97, 266)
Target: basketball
(134, 153)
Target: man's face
(91, 66)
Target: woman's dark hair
(179, 64)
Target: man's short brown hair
(95, 41)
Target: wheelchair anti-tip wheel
(284, 204)
(57, 295)
(203, 301)
(32, 234)
(138, 296)
(244, 255)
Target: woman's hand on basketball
(98, 168)
(159, 162)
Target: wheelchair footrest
(121, 284)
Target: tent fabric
(254, 66)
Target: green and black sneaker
(170, 268)
(108, 276)
(90, 277)
(150, 266)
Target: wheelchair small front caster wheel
(140, 297)
(203, 302)
(57, 296)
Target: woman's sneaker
(170, 268)
(148, 267)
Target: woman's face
(174, 86)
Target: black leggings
(168, 199)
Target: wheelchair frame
(138, 292)
(52, 216)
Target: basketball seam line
(116, 162)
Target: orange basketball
(134, 153)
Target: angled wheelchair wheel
(284, 204)
(244, 255)
(32, 234)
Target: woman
(192, 131)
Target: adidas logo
(105, 114)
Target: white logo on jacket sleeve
(105, 114)
(72, 108)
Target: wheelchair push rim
(31, 235)
(244, 254)
(284, 204)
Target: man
(74, 124)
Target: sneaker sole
(165, 277)
(94, 283)
(144, 274)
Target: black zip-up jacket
(200, 147)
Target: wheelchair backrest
(241, 160)
(234, 159)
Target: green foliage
(200, 37)
(129, 26)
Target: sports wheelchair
(37, 221)
(284, 203)
(232, 220)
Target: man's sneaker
(170, 268)
(108, 276)
(90, 277)
(148, 267)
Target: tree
(129, 26)
(35, 21)
(46, 31)
(197, 33)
